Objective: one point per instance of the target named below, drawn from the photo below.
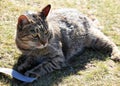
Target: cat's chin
(41, 46)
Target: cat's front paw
(32, 74)
(116, 57)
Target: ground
(90, 69)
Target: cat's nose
(43, 42)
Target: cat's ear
(45, 11)
(22, 20)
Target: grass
(90, 69)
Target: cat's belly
(74, 52)
(73, 44)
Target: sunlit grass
(99, 73)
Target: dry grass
(90, 69)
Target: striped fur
(49, 43)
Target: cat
(49, 41)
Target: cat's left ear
(45, 11)
(22, 20)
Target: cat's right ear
(45, 11)
(22, 20)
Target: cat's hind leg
(97, 40)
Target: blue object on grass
(17, 75)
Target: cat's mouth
(40, 46)
(37, 45)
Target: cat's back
(65, 16)
(69, 18)
(68, 13)
(69, 22)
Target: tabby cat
(49, 43)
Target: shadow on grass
(54, 78)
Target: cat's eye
(35, 35)
(46, 32)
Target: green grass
(90, 69)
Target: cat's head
(32, 30)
